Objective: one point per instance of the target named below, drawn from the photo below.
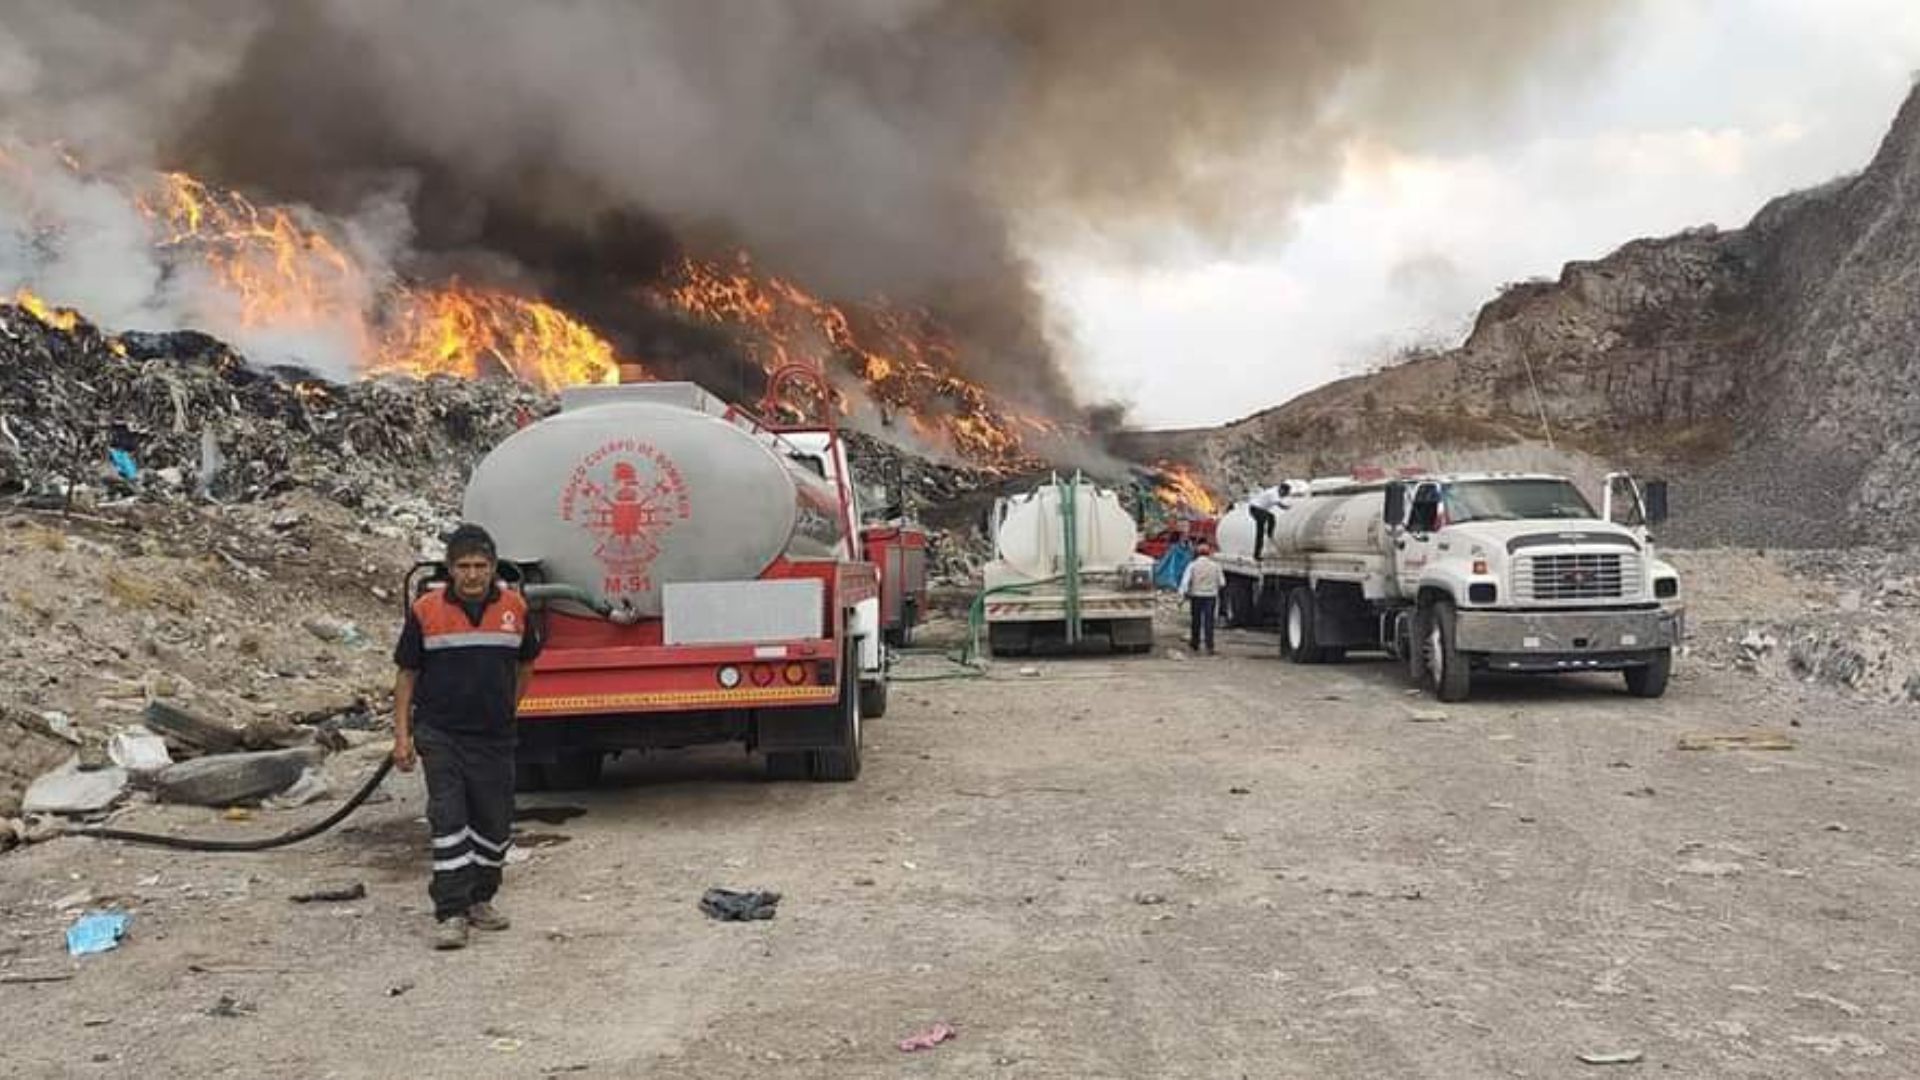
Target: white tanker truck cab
(1465, 573)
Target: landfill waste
(1740, 740)
(312, 786)
(728, 905)
(71, 789)
(225, 779)
(97, 932)
(139, 752)
(928, 1039)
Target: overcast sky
(1701, 111)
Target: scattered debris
(1427, 716)
(225, 779)
(231, 1007)
(1857, 1045)
(331, 894)
(1846, 1007)
(190, 728)
(1149, 898)
(139, 752)
(1239, 791)
(1029, 671)
(930, 1038)
(728, 905)
(399, 988)
(311, 786)
(1707, 868)
(12, 978)
(1739, 740)
(71, 789)
(97, 932)
(1614, 1057)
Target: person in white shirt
(1262, 505)
(1201, 584)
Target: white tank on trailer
(630, 487)
(1031, 543)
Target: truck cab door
(1413, 548)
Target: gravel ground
(1155, 867)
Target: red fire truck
(699, 575)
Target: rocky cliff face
(1770, 371)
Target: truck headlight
(1666, 588)
(1483, 592)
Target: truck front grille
(1577, 576)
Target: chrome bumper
(1544, 633)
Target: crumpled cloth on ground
(727, 905)
(930, 1038)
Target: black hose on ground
(191, 843)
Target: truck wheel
(1650, 679)
(842, 763)
(1241, 609)
(1297, 642)
(787, 765)
(873, 699)
(575, 770)
(529, 776)
(1131, 636)
(1010, 639)
(1447, 672)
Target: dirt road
(1151, 868)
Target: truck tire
(1447, 673)
(1131, 636)
(873, 699)
(1241, 610)
(1650, 679)
(575, 770)
(1009, 639)
(788, 765)
(842, 763)
(1297, 640)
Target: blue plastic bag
(124, 464)
(1172, 566)
(97, 932)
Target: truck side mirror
(1396, 505)
(1655, 495)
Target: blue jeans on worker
(1200, 628)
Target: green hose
(968, 658)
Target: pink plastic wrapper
(929, 1038)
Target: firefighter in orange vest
(464, 655)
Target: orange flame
(903, 356)
(57, 317)
(283, 271)
(1179, 489)
(475, 333)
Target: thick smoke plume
(912, 148)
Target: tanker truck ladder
(1070, 556)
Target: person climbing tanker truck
(697, 574)
(1463, 574)
(1065, 572)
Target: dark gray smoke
(903, 147)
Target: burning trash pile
(86, 418)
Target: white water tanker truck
(698, 574)
(1462, 574)
(1065, 572)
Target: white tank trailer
(1066, 573)
(1464, 574)
(631, 487)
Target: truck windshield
(1515, 500)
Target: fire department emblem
(629, 495)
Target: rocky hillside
(1770, 371)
